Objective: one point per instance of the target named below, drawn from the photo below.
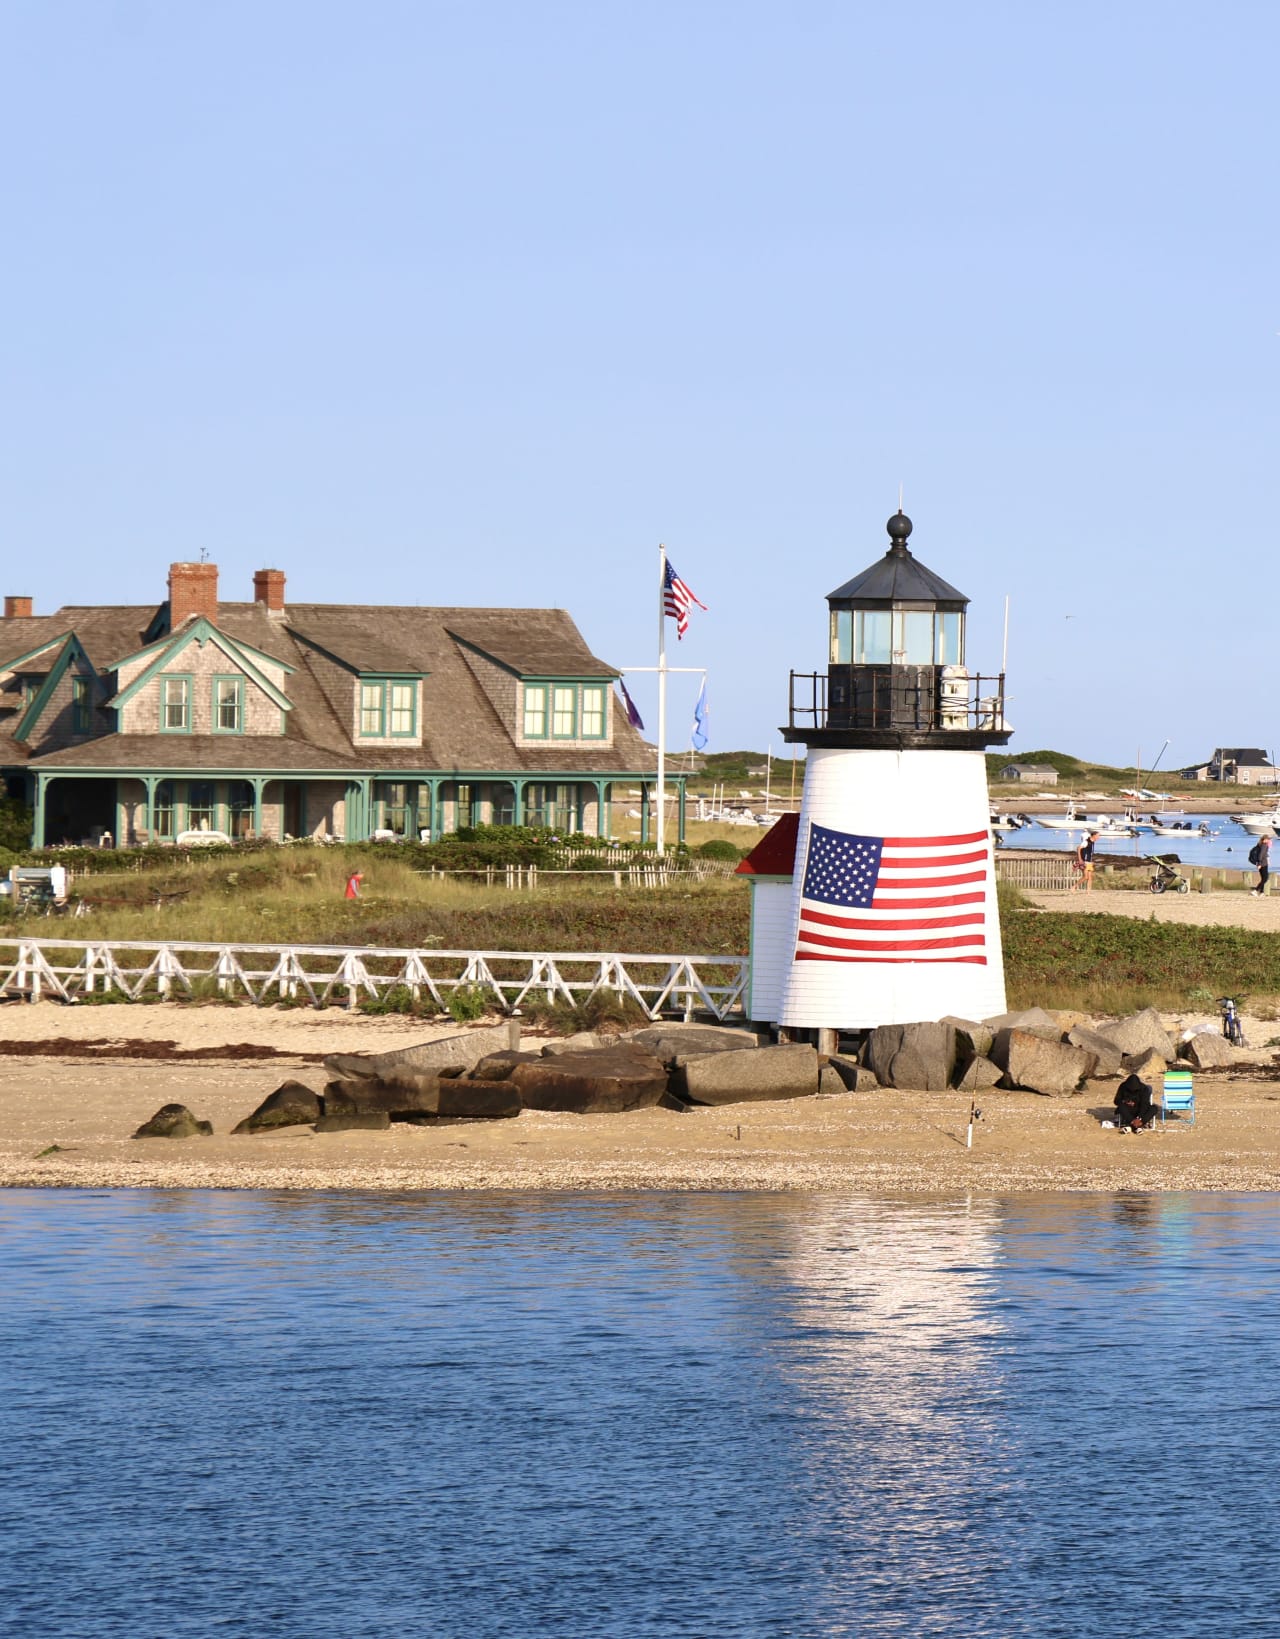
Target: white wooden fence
(322, 974)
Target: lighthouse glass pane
(841, 636)
(950, 646)
(913, 637)
(872, 637)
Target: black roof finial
(899, 527)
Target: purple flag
(633, 716)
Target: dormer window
(389, 709)
(565, 711)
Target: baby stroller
(1166, 879)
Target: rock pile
(1036, 1051)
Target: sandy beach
(87, 1102)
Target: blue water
(1228, 848)
(350, 1415)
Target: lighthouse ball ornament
(893, 914)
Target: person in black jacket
(1135, 1105)
(1262, 848)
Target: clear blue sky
(475, 303)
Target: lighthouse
(893, 913)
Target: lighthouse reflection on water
(893, 905)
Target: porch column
(366, 807)
(517, 788)
(434, 783)
(151, 781)
(602, 813)
(37, 812)
(680, 823)
(351, 812)
(257, 781)
(644, 813)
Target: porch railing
(321, 975)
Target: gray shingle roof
(463, 728)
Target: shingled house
(270, 720)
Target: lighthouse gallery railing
(921, 698)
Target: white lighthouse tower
(893, 913)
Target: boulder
(410, 1097)
(1149, 1066)
(353, 1121)
(1033, 1020)
(293, 1104)
(921, 1057)
(1208, 1049)
(467, 1100)
(602, 1081)
(972, 1039)
(674, 1042)
(462, 1050)
(174, 1121)
(1106, 1054)
(1037, 1065)
(752, 1074)
(856, 1077)
(498, 1066)
(579, 1042)
(1139, 1033)
(979, 1074)
(830, 1081)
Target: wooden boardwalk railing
(324, 974)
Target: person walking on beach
(352, 890)
(1260, 853)
(1084, 861)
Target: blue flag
(700, 719)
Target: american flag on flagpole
(894, 899)
(676, 598)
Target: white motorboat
(1259, 825)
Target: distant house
(198, 716)
(1029, 773)
(1235, 765)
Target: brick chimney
(268, 588)
(193, 590)
(17, 609)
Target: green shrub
(718, 848)
(467, 1003)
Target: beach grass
(1096, 963)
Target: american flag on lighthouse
(676, 598)
(894, 899)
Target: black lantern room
(896, 671)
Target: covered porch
(138, 809)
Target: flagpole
(662, 699)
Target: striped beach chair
(1178, 1096)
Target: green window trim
(394, 700)
(594, 707)
(185, 680)
(372, 717)
(402, 708)
(565, 709)
(217, 701)
(81, 706)
(534, 711)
